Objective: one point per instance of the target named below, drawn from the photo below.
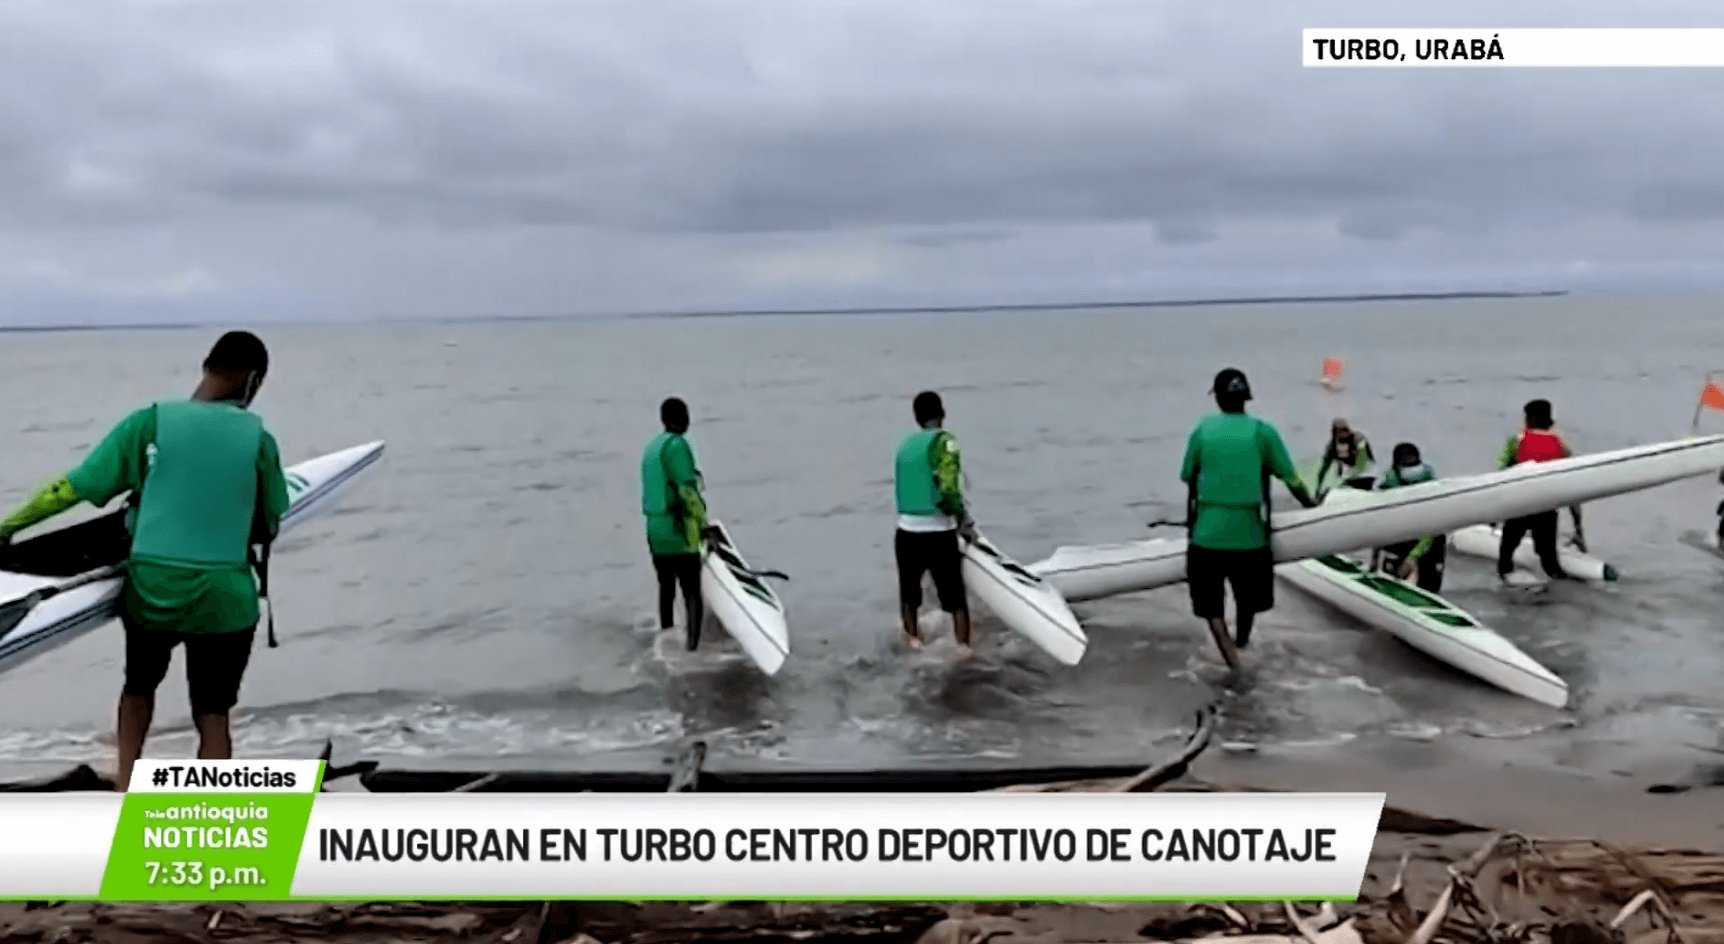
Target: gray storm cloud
(402, 157)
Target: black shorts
(1251, 574)
(930, 552)
(215, 664)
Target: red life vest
(1538, 446)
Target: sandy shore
(1510, 784)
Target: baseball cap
(1231, 382)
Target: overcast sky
(262, 159)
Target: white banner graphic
(226, 776)
(1499, 48)
(927, 847)
(840, 846)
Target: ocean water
(484, 597)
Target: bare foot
(966, 652)
(914, 642)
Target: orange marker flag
(1332, 371)
(1712, 397)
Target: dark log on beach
(765, 780)
(79, 778)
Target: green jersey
(207, 482)
(670, 496)
(1229, 458)
(927, 479)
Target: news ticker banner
(1500, 48)
(261, 831)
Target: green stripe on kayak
(1400, 592)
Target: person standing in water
(1427, 556)
(932, 518)
(206, 487)
(1348, 454)
(1536, 442)
(675, 514)
(1229, 459)
(1720, 513)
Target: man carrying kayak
(1229, 459)
(1348, 454)
(1427, 556)
(206, 485)
(932, 518)
(1536, 442)
(675, 519)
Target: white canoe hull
(1024, 602)
(1428, 623)
(1483, 540)
(1350, 519)
(742, 602)
(312, 487)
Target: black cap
(1231, 382)
(1406, 454)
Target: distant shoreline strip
(1092, 306)
(877, 310)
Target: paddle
(718, 538)
(1164, 523)
(13, 612)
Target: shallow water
(485, 592)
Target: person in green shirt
(675, 519)
(1229, 459)
(932, 518)
(1348, 455)
(206, 486)
(1428, 556)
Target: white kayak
(748, 609)
(1349, 519)
(1483, 540)
(312, 487)
(1024, 602)
(1426, 622)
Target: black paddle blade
(13, 612)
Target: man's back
(199, 495)
(1226, 455)
(1226, 460)
(196, 468)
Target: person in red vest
(1537, 442)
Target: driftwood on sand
(1150, 779)
(1430, 881)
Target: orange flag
(1712, 397)
(1331, 371)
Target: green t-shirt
(670, 496)
(165, 591)
(1228, 459)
